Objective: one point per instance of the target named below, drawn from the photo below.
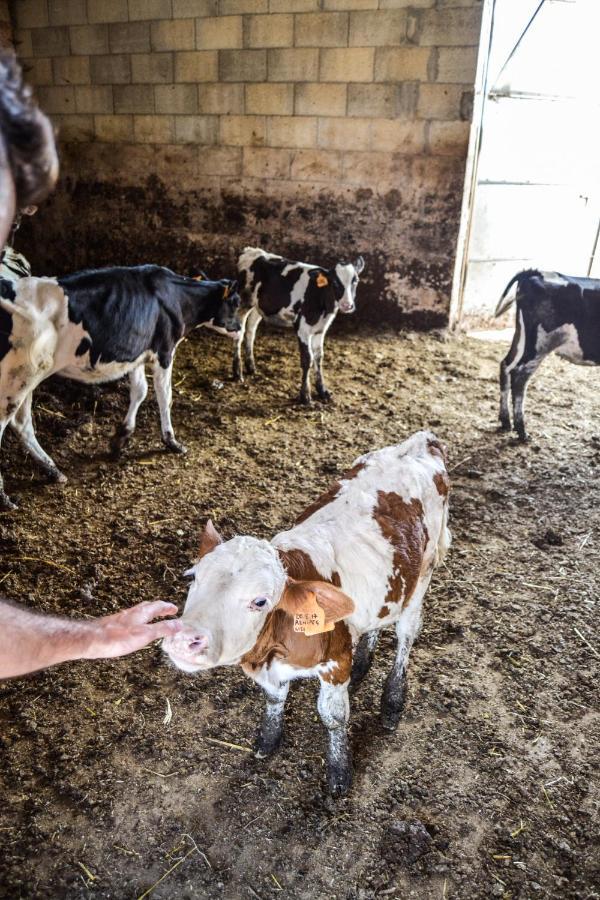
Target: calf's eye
(259, 602)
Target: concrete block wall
(318, 128)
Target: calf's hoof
(324, 395)
(504, 425)
(250, 367)
(266, 744)
(173, 446)
(56, 476)
(339, 778)
(522, 436)
(119, 440)
(6, 503)
(392, 702)
(305, 399)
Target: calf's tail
(508, 295)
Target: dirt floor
(487, 788)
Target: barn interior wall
(315, 128)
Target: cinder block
(294, 65)
(402, 63)
(219, 33)
(220, 161)
(23, 45)
(344, 134)
(149, 9)
(31, 13)
(66, 12)
(440, 101)
(378, 29)
(37, 71)
(329, 29)
(242, 131)
(350, 4)
(54, 99)
(196, 65)
(396, 136)
(264, 162)
(376, 100)
(196, 129)
(221, 99)
(269, 31)
(321, 99)
(107, 11)
(371, 168)
(270, 99)
(184, 9)
(94, 98)
(316, 165)
(89, 39)
(133, 98)
(292, 131)
(71, 70)
(152, 68)
(449, 27)
(113, 129)
(51, 41)
(346, 64)
(74, 129)
(131, 37)
(283, 6)
(456, 65)
(173, 35)
(243, 65)
(112, 69)
(234, 7)
(449, 138)
(402, 4)
(154, 129)
(178, 99)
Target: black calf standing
(554, 312)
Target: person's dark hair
(27, 135)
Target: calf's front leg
(138, 389)
(334, 709)
(306, 358)
(317, 346)
(22, 423)
(164, 398)
(271, 729)
(5, 501)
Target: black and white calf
(297, 295)
(554, 312)
(96, 326)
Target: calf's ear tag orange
(322, 281)
(227, 291)
(198, 278)
(310, 618)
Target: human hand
(130, 629)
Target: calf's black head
(223, 308)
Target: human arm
(31, 641)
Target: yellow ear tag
(226, 292)
(310, 618)
(198, 278)
(322, 281)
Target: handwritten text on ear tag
(322, 281)
(310, 618)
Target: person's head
(28, 158)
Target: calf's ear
(359, 264)
(229, 288)
(209, 539)
(331, 599)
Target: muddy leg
(363, 657)
(334, 709)
(317, 346)
(22, 423)
(254, 320)
(164, 397)
(394, 691)
(138, 388)
(5, 501)
(519, 379)
(512, 359)
(306, 358)
(271, 729)
(238, 369)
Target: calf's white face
(348, 275)
(235, 586)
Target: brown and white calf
(298, 295)
(359, 559)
